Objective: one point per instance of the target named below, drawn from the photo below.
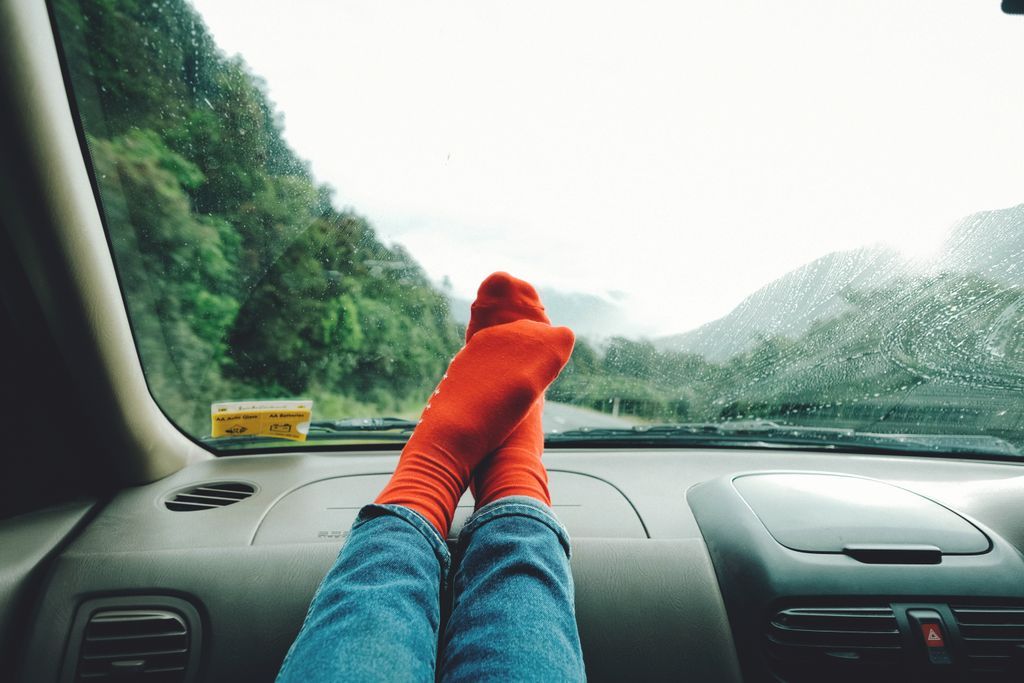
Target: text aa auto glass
(779, 224)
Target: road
(561, 417)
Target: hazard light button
(932, 635)
(929, 624)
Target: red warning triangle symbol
(932, 635)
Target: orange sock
(504, 299)
(515, 468)
(490, 386)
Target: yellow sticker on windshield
(278, 419)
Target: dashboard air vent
(835, 644)
(206, 496)
(993, 640)
(134, 645)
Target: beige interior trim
(64, 251)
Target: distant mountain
(989, 244)
(790, 304)
(589, 316)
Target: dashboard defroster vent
(835, 644)
(993, 641)
(207, 496)
(134, 645)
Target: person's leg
(375, 616)
(513, 617)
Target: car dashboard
(703, 564)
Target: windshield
(802, 219)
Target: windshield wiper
(751, 433)
(774, 435)
(362, 424)
(363, 428)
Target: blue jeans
(377, 613)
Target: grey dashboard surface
(851, 511)
(324, 510)
(26, 542)
(648, 600)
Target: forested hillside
(244, 280)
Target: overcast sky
(680, 154)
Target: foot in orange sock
(490, 386)
(504, 299)
(515, 468)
